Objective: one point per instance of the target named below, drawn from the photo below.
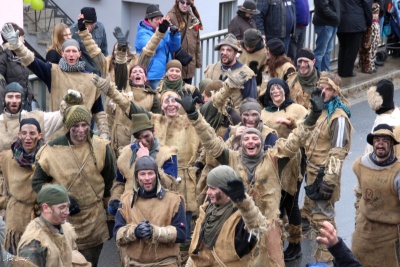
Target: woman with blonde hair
(61, 32)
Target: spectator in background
(13, 70)
(61, 33)
(98, 32)
(302, 20)
(186, 17)
(168, 45)
(276, 20)
(326, 21)
(355, 18)
(244, 19)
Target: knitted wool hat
(249, 7)
(252, 37)
(89, 14)
(30, 121)
(219, 176)
(14, 87)
(305, 52)
(168, 94)
(251, 105)
(380, 97)
(76, 114)
(153, 11)
(276, 47)
(70, 42)
(213, 86)
(230, 40)
(140, 122)
(52, 195)
(174, 64)
(381, 130)
(203, 84)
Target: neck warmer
(24, 159)
(153, 151)
(151, 194)
(334, 104)
(309, 82)
(389, 161)
(214, 219)
(273, 108)
(78, 67)
(172, 85)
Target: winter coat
(170, 44)
(355, 15)
(190, 42)
(272, 18)
(239, 25)
(12, 70)
(327, 13)
(302, 13)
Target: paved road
(362, 120)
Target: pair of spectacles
(183, 3)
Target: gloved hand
(326, 191)
(113, 206)
(317, 104)
(121, 38)
(73, 206)
(81, 24)
(173, 29)
(163, 27)
(236, 80)
(143, 230)
(235, 190)
(188, 103)
(10, 34)
(73, 97)
(102, 84)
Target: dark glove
(188, 103)
(326, 191)
(110, 226)
(143, 230)
(234, 190)
(197, 94)
(122, 39)
(317, 104)
(173, 29)
(163, 27)
(253, 66)
(199, 167)
(312, 190)
(81, 24)
(73, 206)
(113, 206)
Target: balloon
(27, 1)
(37, 4)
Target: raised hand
(10, 34)
(236, 80)
(163, 27)
(235, 190)
(317, 100)
(121, 38)
(102, 84)
(188, 103)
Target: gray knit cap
(219, 176)
(70, 42)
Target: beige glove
(102, 84)
(236, 80)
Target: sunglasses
(183, 3)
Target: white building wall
(11, 11)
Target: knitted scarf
(24, 159)
(153, 151)
(172, 85)
(389, 161)
(334, 104)
(78, 67)
(308, 82)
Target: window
(225, 14)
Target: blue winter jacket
(168, 45)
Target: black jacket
(327, 13)
(355, 15)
